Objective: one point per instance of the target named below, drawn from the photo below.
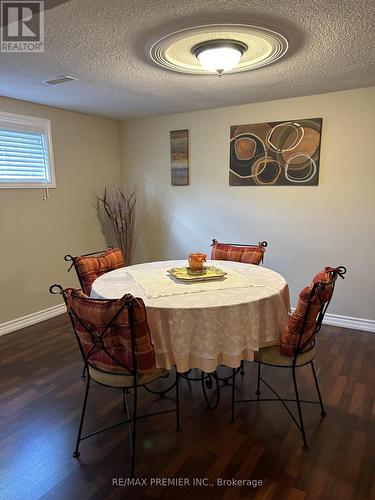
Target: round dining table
(204, 324)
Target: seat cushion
(298, 324)
(90, 267)
(123, 380)
(104, 332)
(272, 356)
(302, 321)
(246, 254)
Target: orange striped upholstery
(251, 254)
(300, 324)
(90, 267)
(109, 348)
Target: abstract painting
(275, 153)
(180, 157)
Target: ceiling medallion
(219, 48)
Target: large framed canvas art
(283, 153)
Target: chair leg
(257, 392)
(76, 451)
(178, 428)
(133, 436)
(124, 392)
(233, 388)
(302, 427)
(322, 410)
(126, 410)
(84, 371)
(242, 367)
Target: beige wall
(306, 227)
(36, 234)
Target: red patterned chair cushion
(247, 254)
(91, 267)
(297, 320)
(95, 315)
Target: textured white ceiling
(105, 43)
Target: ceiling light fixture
(219, 55)
(247, 47)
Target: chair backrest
(92, 265)
(249, 254)
(306, 320)
(113, 335)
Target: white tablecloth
(207, 328)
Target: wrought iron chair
(115, 343)
(297, 344)
(248, 254)
(90, 266)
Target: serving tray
(186, 274)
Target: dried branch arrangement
(120, 206)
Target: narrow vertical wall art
(179, 157)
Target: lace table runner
(157, 282)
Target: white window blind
(26, 158)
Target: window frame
(19, 121)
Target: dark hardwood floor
(40, 401)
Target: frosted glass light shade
(219, 55)
(221, 59)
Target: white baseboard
(31, 319)
(367, 325)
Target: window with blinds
(26, 159)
